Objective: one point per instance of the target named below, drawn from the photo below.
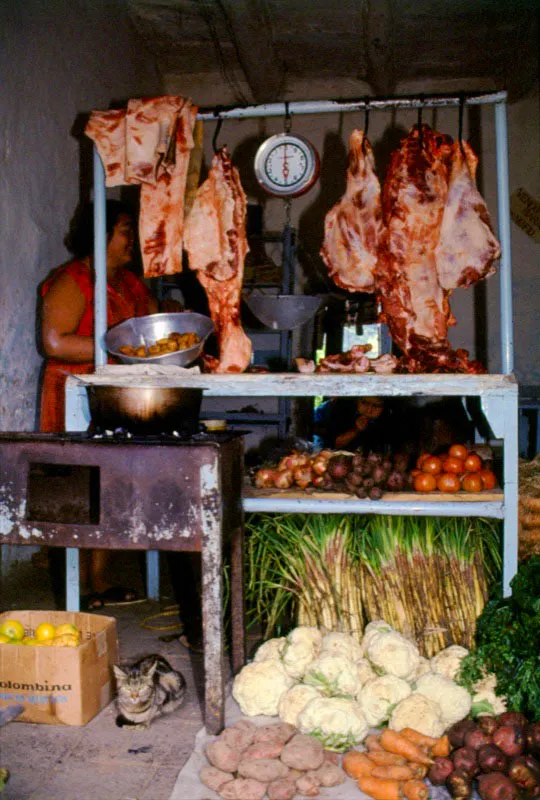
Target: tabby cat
(146, 689)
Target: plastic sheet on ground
(189, 787)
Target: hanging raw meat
(150, 143)
(215, 239)
(467, 247)
(353, 227)
(414, 304)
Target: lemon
(29, 640)
(12, 628)
(5, 639)
(66, 640)
(66, 627)
(45, 631)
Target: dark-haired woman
(67, 325)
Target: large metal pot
(144, 409)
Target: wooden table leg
(237, 600)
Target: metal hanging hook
(288, 118)
(419, 123)
(460, 121)
(216, 133)
(366, 124)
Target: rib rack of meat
(353, 226)
(216, 243)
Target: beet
(510, 739)
(532, 738)
(496, 786)
(354, 479)
(357, 460)
(375, 493)
(379, 474)
(476, 739)
(488, 724)
(492, 759)
(361, 492)
(525, 772)
(457, 732)
(339, 466)
(513, 718)
(460, 785)
(440, 771)
(466, 760)
(395, 482)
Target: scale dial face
(287, 165)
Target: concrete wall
(58, 60)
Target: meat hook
(460, 121)
(216, 132)
(366, 124)
(288, 120)
(419, 124)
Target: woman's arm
(63, 307)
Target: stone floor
(100, 761)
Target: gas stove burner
(187, 430)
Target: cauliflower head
(454, 700)
(379, 696)
(338, 723)
(294, 701)
(447, 662)
(364, 672)
(392, 653)
(484, 699)
(342, 644)
(333, 676)
(424, 666)
(302, 646)
(258, 687)
(419, 712)
(272, 649)
(373, 629)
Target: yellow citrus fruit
(66, 640)
(45, 631)
(66, 627)
(44, 643)
(12, 628)
(29, 640)
(5, 639)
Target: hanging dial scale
(287, 165)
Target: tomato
(489, 479)
(472, 482)
(458, 451)
(424, 482)
(454, 464)
(432, 465)
(473, 463)
(448, 482)
(420, 460)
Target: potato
(214, 778)
(307, 786)
(237, 738)
(245, 725)
(264, 770)
(328, 774)
(264, 750)
(303, 752)
(331, 757)
(243, 789)
(278, 732)
(222, 756)
(282, 789)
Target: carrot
(420, 770)
(373, 742)
(441, 747)
(394, 742)
(418, 738)
(393, 773)
(357, 765)
(382, 758)
(415, 790)
(379, 788)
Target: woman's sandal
(195, 647)
(115, 596)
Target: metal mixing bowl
(284, 311)
(143, 409)
(147, 330)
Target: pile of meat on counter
(426, 232)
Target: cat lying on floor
(147, 689)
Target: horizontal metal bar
(307, 505)
(340, 106)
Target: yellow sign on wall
(525, 212)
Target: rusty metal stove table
(137, 494)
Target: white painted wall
(57, 60)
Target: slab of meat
(467, 247)
(353, 227)
(149, 143)
(215, 239)
(414, 304)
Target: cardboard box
(60, 685)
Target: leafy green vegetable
(508, 643)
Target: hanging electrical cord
(208, 14)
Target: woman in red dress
(67, 325)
